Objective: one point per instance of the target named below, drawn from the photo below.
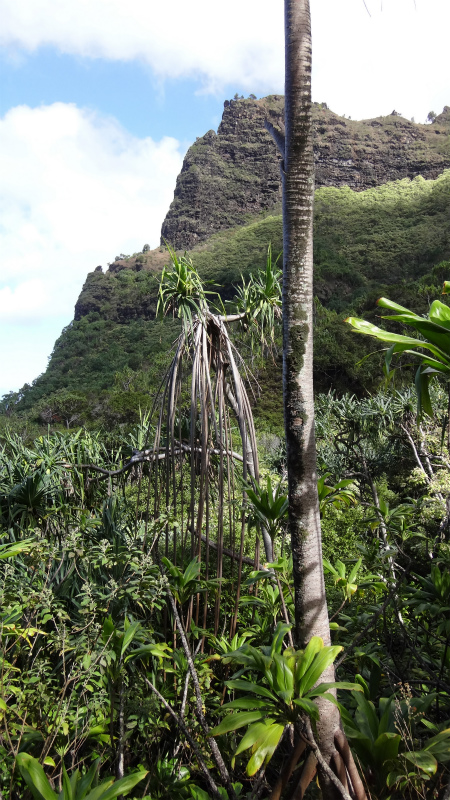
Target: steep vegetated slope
(371, 236)
(366, 244)
(235, 172)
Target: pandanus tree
(311, 613)
(196, 449)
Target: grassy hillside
(386, 240)
(235, 172)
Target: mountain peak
(234, 173)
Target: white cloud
(233, 42)
(76, 190)
(25, 302)
(25, 350)
(397, 58)
(363, 65)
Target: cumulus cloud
(363, 64)
(76, 190)
(25, 302)
(396, 58)
(234, 42)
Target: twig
(149, 455)
(199, 703)
(181, 724)
(322, 763)
(227, 552)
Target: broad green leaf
(248, 686)
(159, 649)
(284, 679)
(364, 685)
(13, 549)
(67, 784)
(441, 365)
(321, 662)
(383, 302)
(423, 395)
(197, 793)
(123, 785)
(436, 366)
(323, 687)
(3, 705)
(35, 778)
(438, 335)
(246, 702)
(74, 780)
(439, 746)
(354, 571)
(386, 719)
(307, 706)
(192, 571)
(98, 791)
(129, 636)
(423, 760)
(366, 717)
(255, 733)
(362, 326)
(87, 780)
(442, 736)
(329, 567)
(385, 747)
(266, 749)
(440, 313)
(278, 638)
(234, 721)
(110, 790)
(108, 628)
(340, 568)
(313, 647)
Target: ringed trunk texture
(311, 613)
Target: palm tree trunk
(298, 194)
(311, 613)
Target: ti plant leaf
(280, 689)
(76, 787)
(435, 332)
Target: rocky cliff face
(233, 173)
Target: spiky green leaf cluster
(282, 686)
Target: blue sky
(99, 100)
(127, 91)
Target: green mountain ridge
(235, 173)
(372, 235)
(385, 240)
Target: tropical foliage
(392, 239)
(434, 331)
(146, 648)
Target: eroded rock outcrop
(233, 173)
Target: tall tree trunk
(298, 194)
(311, 613)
